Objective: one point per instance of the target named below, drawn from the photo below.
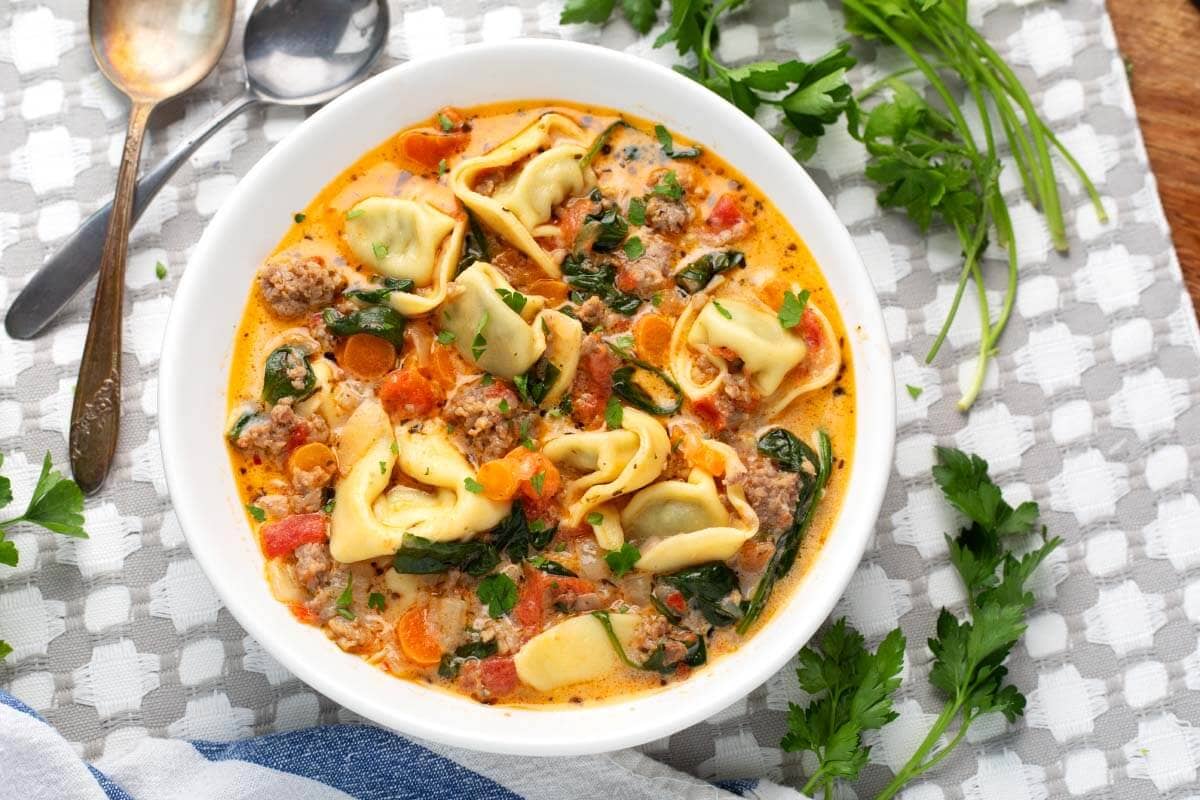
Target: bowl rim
(580, 731)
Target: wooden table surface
(1160, 40)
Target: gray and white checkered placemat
(1092, 412)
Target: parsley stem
(706, 56)
(914, 766)
(985, 339)
(971, 254)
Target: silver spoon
(297, 53)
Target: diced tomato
(406, 393)
(531, 600)
(810, 329)
(298, 436)
(427, 148)
(498, 675)
(302, 613)
(676, 603)
(560, 584)
(593, 383)
(282, 537)
(710, 412)
(570, 219)
(725, 213)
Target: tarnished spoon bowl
(151, 50)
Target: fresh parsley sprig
(968, 652)
(56, 505)
(809, 96)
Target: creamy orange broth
(384, 171)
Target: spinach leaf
(787, 451)
(516, 536)
(475, 246)
(534, 385)
(611, 228)
(551, 567)
(277, 384)
(696, 654)
(382, 321)
(601, 140)
(380, 295)
(697, 275)
(420, 556)
(451, 663)
(710, 586)
(787, 546)
(587, 279)
(628, 384)
(239, 424)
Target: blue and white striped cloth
(327, 763)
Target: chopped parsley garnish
(487, 380)
(595, 518)
(298, 217)
(355, 213)
(622, 561)
(722, 310)
(445, 123)
(513, 299)
(537, 482)
(503, 406)
(668, 186)
(473, 486)
(383, 468)
(256, 512)
(634, 248)
(443, 168)
(376, 601)
(525, 439)
(656, 299)
(614, 415)
(551, 567)
(346, 598)
(499, 593)
(792, 310)
(380, 250)
(479, 343)
(914, 391)
(637, 211)
(445, 337)
(668, 145)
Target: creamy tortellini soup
(540, 404)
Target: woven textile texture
(1091, 410)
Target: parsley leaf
(622, 561)
(257, 513)
(473, 486)
(722, 310)
(637, 211)
(479, 343)
(634, 248)
(668, 145)
(499, 593)
(537, 482)
(792, 310)
(376, 601)
(595, 518)
(160, 270)
(56, 504)
(914, 391)
(445, 337)
(668, 186)
(346, 598)
(614, 414)
(640, 13)
(512, 298)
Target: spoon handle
(96, 413)
(66, 272)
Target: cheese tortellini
(399, 238)
(503, 341)
(769, 352)
(574, 651)
(541, 167)
(614, 462)
(369, 520)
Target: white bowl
(209, 302)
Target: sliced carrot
(527, 465)
(498, 479)
(367, 356)
(700, 455)
(428, 148)
(443, 366)
(652, 337)
(310, 456)
(554, 291)
(772, 292)
(417, 639)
